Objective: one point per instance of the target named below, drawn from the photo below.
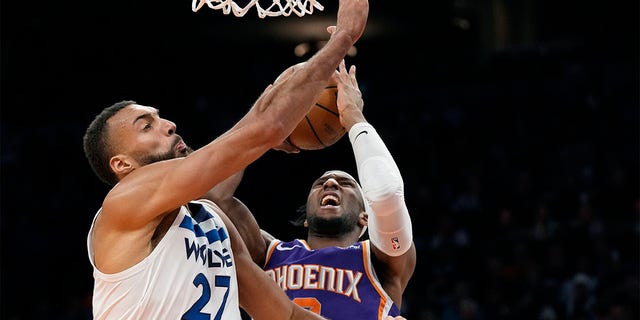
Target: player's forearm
(263, 299)
(383, 187)
(378, 173)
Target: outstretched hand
(349, 101)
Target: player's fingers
(344, 75)
(287, 147)
(352, 73)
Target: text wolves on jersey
(209, 247)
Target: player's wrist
(342, 37)
(359, 127)
(351, 117)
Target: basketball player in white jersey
(333, 272)
(158, 249)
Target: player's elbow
(381, 181)
(382, 192)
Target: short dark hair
(96, 146)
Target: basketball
(321, 127)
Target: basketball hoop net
(299, 7)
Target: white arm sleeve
(389, 221)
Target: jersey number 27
(195, 312)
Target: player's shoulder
(208, 204)
(277, 245)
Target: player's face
(145, 136)
(334, 204)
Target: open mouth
(330, 200)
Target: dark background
(514, 123)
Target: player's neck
(320, 241)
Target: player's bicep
(137, 199)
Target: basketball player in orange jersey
(332, 272)
(159, 250)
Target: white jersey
(189, 275)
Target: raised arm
(168, 184)
(389, 223)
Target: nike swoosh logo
(365, 132)
(281, 248)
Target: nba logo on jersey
(395, 243)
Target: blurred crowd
(524, 191)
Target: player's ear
(305, 224)
(363, 219)
(121, 165)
